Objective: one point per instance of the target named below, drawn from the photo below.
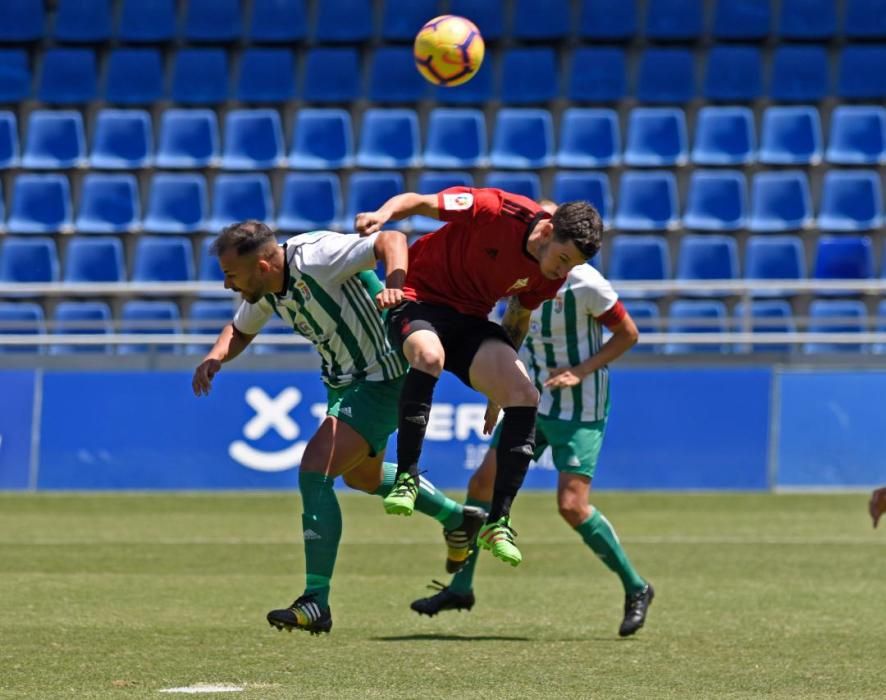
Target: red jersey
(480, 255)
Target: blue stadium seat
(717, 201)
(345, 21)
(780, 201)
(15, 74)
(55, 140)
(253, 140)
(389, 139)
(523, 138)
(188, 139)
(696, 316)
(673, 20)
(733, 74)
(200, 76)
(208, 318)
(150, 318)
(666, 76)
(851, 200)
(95, 259)
(608, 20)
(656, 137)
(865, 19)
(310, 201)
(648, 320)
(880, 348)
(477, 91)
(638, 257)
(208, 268)
(807, 19)
(724, 136)
(707, 257)
(122, 140)
(431, 183)
(2, 211)
(40, 204)
(30, 259)
(541, 20)
(163, 259)
(527, 184)
(800, 74)
(278, 21)
(83, 21)
(322, 139)
(368, 191)
(486, 14)
(177, 203)
(81, 318)
(844, 257)
(332, 74)
(21, 21)
(748, 20)
(597, 75)
(21, 318)
(858, 135)
(401, 19)
(108, 204)
(393, 77)
(591, 187)
(647, 201)
(529, 76)
(456, 139)
(836, 316)
(791, 136)
(212, 21)
(589, 138)
(9, 148)
(147, 21)
(266, 75)
(774, 257)
(68, 76)
(134, 76)
(861, 75)
(241, 197)
(770, 316)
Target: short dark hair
(245, 237)
(580, 223)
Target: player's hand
(389, 298)
(562, 378)
(877, 506)
(203, 376)
(491, 417)
(369, 222)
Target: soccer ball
(449, 50)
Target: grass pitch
(121, 596)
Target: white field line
(204, 688)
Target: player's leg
(496, 372)
(877, 505)
(575, 449)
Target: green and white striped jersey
(563, 332)
(330, 300)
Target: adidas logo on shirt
(311, 535)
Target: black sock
(514, 452)
(415, 407)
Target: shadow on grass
(451, 638)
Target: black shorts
(461, 335)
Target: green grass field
(120, 596)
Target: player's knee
(523, 394)
(428, 360)
(572, 510)
(360, 481)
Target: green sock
(430, 501)
(463, 581)
(321, 525)
(599, 535)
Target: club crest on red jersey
(458, 202)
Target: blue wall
(669, 429)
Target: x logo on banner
(272, 413)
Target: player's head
(570, 237)
(245, 252)
(549, 205)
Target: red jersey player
(495, 244)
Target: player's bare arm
(515, 323)
(624, 337)
(392, 249)
(229, 344)
(399, 207)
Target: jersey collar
(286, 275)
